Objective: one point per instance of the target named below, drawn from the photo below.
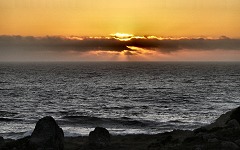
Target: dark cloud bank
(55, 43)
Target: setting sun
(122, 36)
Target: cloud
(170, 45)
(55, 43)
(85, 44)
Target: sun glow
(122, 36)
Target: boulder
(230, 119)
(235, 114)
(207, 136)
(47, 135)
(233, 123)
(2, 142)
(237, 142)
(198, 148)
(229, 145)
(99, 137)
(214, 140)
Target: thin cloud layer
(85, 44)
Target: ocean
(124, 97)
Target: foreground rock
(47, 135)
(100, 137)
(223, 134)
(2, 142)
(229, 119)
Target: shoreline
(224, 133)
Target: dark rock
(193, 140)
(235, 114)
(224, 119)
(99, 137)
(233, 123)
(238, 142)
(198, 148)
(166, 140)
(220, 122)
(19, 144)
(229, 145)
(2, 142)
(47, 135)
(214, 140)
(199, 130)
(206, 137)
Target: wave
(119, 108)
(107, 122)
(5, 89)
(7, 114)
(4, 119)
(117, 88)
(16, 135)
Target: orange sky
(102, 17)
(162, 18)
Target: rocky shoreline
(223, 134)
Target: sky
(92, 30)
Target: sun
(122, 36)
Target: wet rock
(99, 137)
(193, 140)
(229, 145)
(225, 119)
(220, 122)
(235, 114)
(166, 140)
(206, 137)
(20, 144)
(200, 130)
(197, 148)
(47, 135)
(1, 142)
(238, 142)
(233, 123)
(214, 140)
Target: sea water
(124, 97)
